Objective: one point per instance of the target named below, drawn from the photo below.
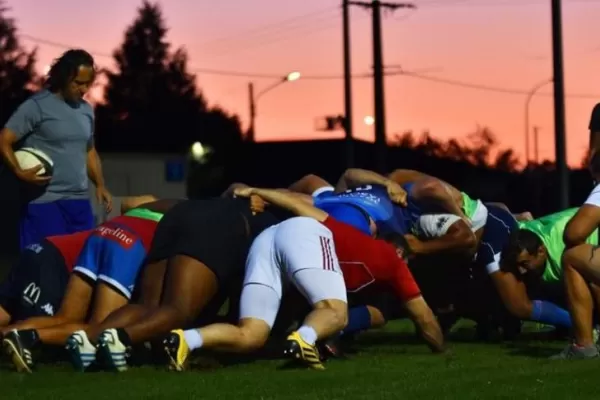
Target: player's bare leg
(189, 286)
(150, 291)
(580, 263)
(107, 299)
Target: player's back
(374, 201)
(70, 245)
(363, 260)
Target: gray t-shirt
(65, 132)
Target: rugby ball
(28, 157)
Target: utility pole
(349, 137)
(378, 90)
(559, 106)
(250, 135)
(536, 144)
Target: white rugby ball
(28, 157)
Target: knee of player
(179, 315)
(251, 339)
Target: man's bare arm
(4, 317)
(582, 225)
(288, 201)
(458, 238)
(424, 319)
(353, 177)
(513, 294)
(131, 202)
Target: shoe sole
(11, 350)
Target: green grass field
(391, 364)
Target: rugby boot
(297, 349)
(111, 351)
(81, 351)
(177, 350)
(17, 346)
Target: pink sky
(500, 43)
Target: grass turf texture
(391, 364)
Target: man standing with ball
(58, 122)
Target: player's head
(399, 243)
(72, 74)
(525, 254)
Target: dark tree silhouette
(477, 150)
(152, 103)
(17, 75)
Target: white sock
(193, 339)
(308, 334)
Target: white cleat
(81, 350)
(112, 351)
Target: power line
(246, 74)
(493, 3)
(267, 27)
(274, 30)
(488, 88)
(287, 34)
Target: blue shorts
(114, 255)
(496, 232)
(61, 217)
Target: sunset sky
(497, 43)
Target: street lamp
(292, 76)
(530, 95)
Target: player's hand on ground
(257, 204)
(397, 193)
(30, 176)
(104, 197)
(243, 192)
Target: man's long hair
(65, 68)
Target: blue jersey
(355, 206)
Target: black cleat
(18, 351)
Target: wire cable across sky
(259, 75)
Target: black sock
(124, 337)
(29, 337)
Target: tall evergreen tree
(17, 74)
(151, 101)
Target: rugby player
(581, 269)
(106, 268)
(386, 218)
(534, 256)
(196, 260)
(363, 260)
(36, 282)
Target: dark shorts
(61, 217)
(500, 223)
(217, 232)
(36, 283)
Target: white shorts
(479, 217)
(300, 251)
